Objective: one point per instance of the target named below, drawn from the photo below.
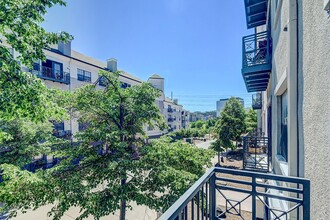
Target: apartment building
(173, 112)
(67, 69)
(287, 63)
(222, 102)
(185, 114)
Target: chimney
(175, 101)
(65, 48)
(112, 65)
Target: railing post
(212, 197)
(306, 200)
(254, 190)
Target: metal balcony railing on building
(48, 73)
(221, 194)
(257, 101)
(256, 61)
(256, 153)
(66, 134)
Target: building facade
(173, 114)
(222, 102)
(68, 70)
(287, 60)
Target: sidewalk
(138, 212)
(231, 195)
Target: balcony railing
(170, 110)
(257, 101)
(223, 193)
(256, 62)
(256, 153)
(48, 73)
(66, 134)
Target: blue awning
(255, 12)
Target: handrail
(176, 208)
(295, 190)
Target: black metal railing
(256, 153)
(257, 101)
(223, 193)
(66, 134)
(48, 73)
(256, 49)
(170, 119)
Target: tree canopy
(21, 93)
(110, 165)
(230, 125)
(251, 120)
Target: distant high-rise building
(222, 102)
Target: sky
(196, 45)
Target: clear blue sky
(194, 44)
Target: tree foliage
(22, 94)
(251, 120)
(231, 125)
(115, 165)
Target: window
(58, 126)
(82, 126)
(125, 85)
(283, 131)
(103, 81)
(84, 75)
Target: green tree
(115, 165)
(27, 140)
(197, 124)
(22, 95)
(251, 120)
(230, 126)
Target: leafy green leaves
(231, 125)
(22, 94)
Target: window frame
(84, 75)
(282, 149)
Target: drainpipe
(292, 89)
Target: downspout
(292, 90)
(298, 132)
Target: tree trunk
(219, 155)
(123, 201)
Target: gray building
(287, 59)
(222, 102)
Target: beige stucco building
(287, 59)
(67, 69)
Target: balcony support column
(212, 192)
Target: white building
(67, 69)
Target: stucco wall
(314, 84)
(279, 20)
